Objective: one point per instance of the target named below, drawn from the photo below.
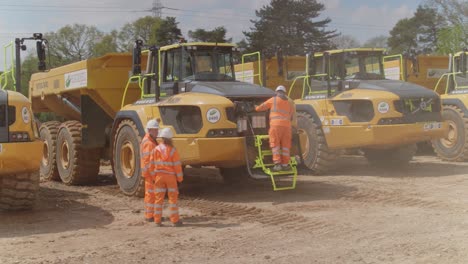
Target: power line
(75, 11)
(59, 6)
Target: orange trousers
(280, 143)
(166, 183)
(150, 198)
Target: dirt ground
(358, 214)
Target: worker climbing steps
(264, 162)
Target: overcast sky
(362, 19)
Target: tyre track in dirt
(284, 220)
(393, 198)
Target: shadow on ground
(56, 211)
(206, 183)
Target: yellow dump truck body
(102, 79)
(431, 68)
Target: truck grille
(418, 109)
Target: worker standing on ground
(168, 169)
(147, 146)
(280, 133)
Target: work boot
(286, 167)
(277, 168)
(158, 224)
(149, 220)
(177, 224)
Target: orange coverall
(168, 170)
(147, 146)
(281, 114)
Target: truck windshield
(460, 81)
(209, 65)
(356, 66)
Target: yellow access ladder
(266, 167)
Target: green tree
(451, 39)
(454, 12)
(141, 29)
(151, 30)
(108, 43)
(403, 36)
(169, 32)
(429, 22)
(292, 25)
(216, 35)
(73, 43)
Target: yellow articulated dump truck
(344, 101)
(453, 90)
(189, 87)
(20, 147)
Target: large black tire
(126, 159)
(76, 166)
(234, 175)
(18, 191)
(48, 133)
(390, 158)
(455, 146)
(316, 155)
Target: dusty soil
(358, 214)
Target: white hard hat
(280, 88)
(166, 133)
(153, 123)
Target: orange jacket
(147, 146)
(281, 111)
(166, 162)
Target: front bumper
(340, 137)
(20, 157)
(221, 152)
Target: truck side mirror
(41, 55)
(279, 59)
(311, 70)
(175, 88)
(136, 63)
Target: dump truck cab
(191, 89)
(346, 102)
(453, 90)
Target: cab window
(172, 66)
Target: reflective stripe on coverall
(147, 146)
(168, 171)
(281, 114)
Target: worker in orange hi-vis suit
(147, 146)
(168, 170)
(281, 114)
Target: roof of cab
(190, 44)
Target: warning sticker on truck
(76, 79)
(1, 148)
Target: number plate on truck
(433, 125)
